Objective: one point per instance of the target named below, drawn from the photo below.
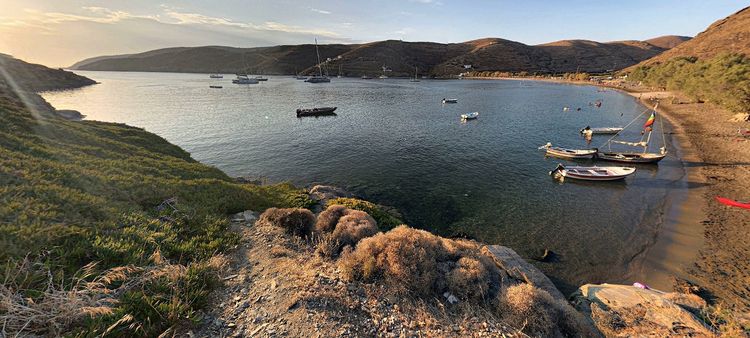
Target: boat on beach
(322, 111)
(568, 153)
(733, 203)
(470, 116)
(450, 101)
(592, 173)
(634, 156)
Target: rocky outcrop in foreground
(631, 311)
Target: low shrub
(539, 314)
(338, 227)
(416, 261)
(294, 220)
(386, 219)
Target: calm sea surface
(393, 142)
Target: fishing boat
(244, 79)
(319, 78)
(470, 116)
(567, 153)
(636, 156)
(322, 111)
(733, 203)
(592, 173)
(216, 76)
(604, 130)
(216, 87)
(450, 101)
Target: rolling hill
(728, 35)
(400, 57)
(36, 78)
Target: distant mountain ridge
(399, 57)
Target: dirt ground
(277, 286)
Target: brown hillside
(37, 78)
(731, 34)
(668, 41)
(435, 59)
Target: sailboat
(415, 79)
(385, 69)
(320, 78)
(634, 156)
(339, 74)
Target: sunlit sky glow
(59, 33)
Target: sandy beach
(717, 162)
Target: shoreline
(717, 163)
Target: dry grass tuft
(294, 220)
(338, 227)
(58, 307)
(417, 261)
(524, 305)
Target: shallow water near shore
(393, 142)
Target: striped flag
(650, 121)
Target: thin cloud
(320, 11)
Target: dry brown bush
(419, 262)
(338, 227)
(295, 221)
(524, 305)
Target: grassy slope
(72, 193)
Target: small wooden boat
(605, 130)
(568, 153)
(592, 173)
(733, 203)
(450, 100)
(631, 157)
(470, 116)
(322, 111)
(217, 87)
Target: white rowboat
(605, 130)
(593, 173)
(567, 153)
(450, 100)
(470, 116)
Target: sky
(58, 33)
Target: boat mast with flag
(632, 156)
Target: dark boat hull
(630, 157)
(325, 111)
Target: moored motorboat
(322, 111)
(318, 79)
(568, 153)
(244, 79)
(261, 78)
(592, 173)
(450, 100)
(216, 87)
(216, 76)
(365, 77)
(470, 116)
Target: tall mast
(320, 70)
